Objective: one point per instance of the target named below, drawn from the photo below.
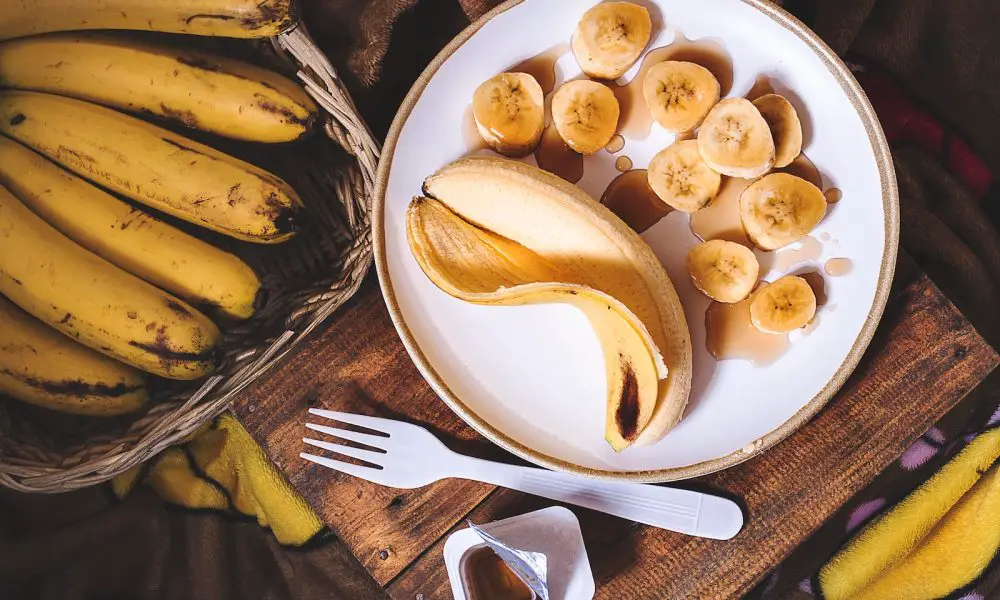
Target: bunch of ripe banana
(95, 292)
(498, 232)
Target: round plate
(531, 379)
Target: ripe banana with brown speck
(680, 177)
(41, 366)
(509, 109)
(680, 94)
(585, 113)
(610, 37)
(780, 209)
(735, 140)
(783, 305)
(786, 129)
(153, 166)
(723, 271)
(98, 304)
(189, 87)
(224, 18)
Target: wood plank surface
(925, 358)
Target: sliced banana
(610, 37)
(723, 271)
(784, 305)
(786, 129)
(509, 109)
(780, 209)
(735, 140)
(585, 114)
(681, 178)
(680, 94)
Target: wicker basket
(308, 278)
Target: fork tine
(366, 473)
(366, 455)
(354, 436)
(375, 423)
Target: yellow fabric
(936, 541)
(223, 468)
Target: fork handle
(683, 511)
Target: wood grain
(924, 359)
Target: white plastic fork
(411, 457)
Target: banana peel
(496, 231)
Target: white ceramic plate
(532, 378)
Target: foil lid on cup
(530, 567)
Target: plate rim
(890, 201)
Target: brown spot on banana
(17, 119)
(179, 309)
(627, 414)
(74, 387)
(185, 117)
(66, 319)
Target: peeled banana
(724, 271)
(96, 303)
(509, 110)
(780, 209)
(41, 366)
(588, 245)
(226, 18)
(139, 243)
(680, 177)
(585, 113)
(610, 37)
(196, 89)
(153, 166)
(680, 94)
(786, 129)
(784, 305)
(735, 140)
(478, 266)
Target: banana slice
(680, 94)
(780, 209)
(786, 129)
(610, 37)
(784, 305)
(681, 178)
(723, 271)
(585, 114)
(509, 109)
(735, 140)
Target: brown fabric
(944, 52)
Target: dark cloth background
(944, 53)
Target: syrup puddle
(623, 164)
(635, 121)
(616, 144)
(630, 197)
(729, 334)
(808, 249)
(838, 267)
(543, 67)
(720, 220)
(833, 195)
(554, 156)
(818, 285)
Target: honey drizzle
(630, 197)
(729, 334)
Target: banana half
(509, 109)
(780, 209)
(579, 242)
(680, 177)
(478, 266)
(783, 306)
(585, 114)
(610, 37)
(680, 94)
(723, 271)
(786, 129)
(735, 140)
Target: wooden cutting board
(925, 358)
